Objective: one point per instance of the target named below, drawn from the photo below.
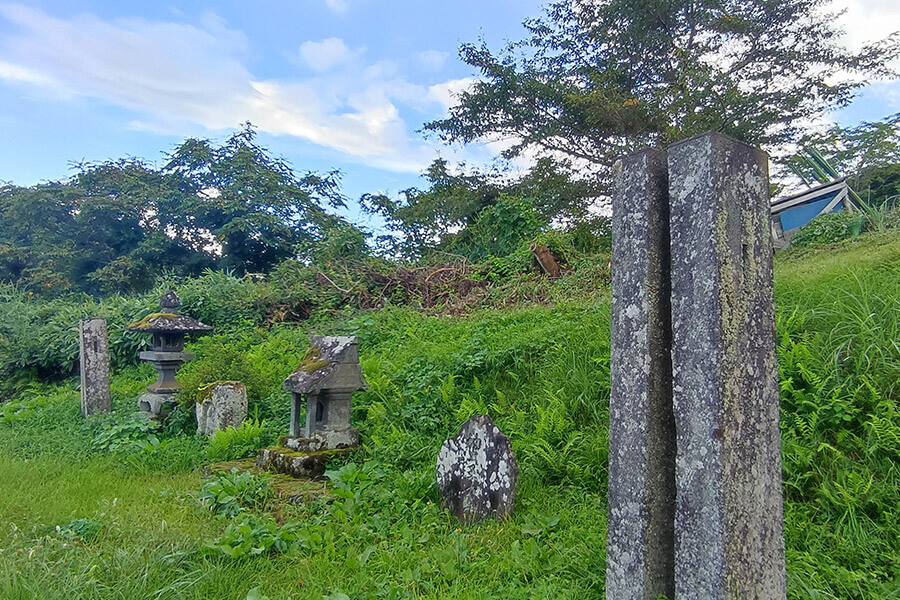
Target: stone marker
(94, 360)
(728, 522)
(221, 405)
(477, 472)
(641, 518)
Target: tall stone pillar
(729, 541)
(95, 396)
(640, 534)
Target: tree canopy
(115, 226)
(594, 79)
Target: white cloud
(446, 93)
(179, 77)
(433, 60)
(322, 56)
(338, 6)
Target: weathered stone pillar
(728, 522)
(94, 359)
(640, 542)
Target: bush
(828, 229)
(232, 493)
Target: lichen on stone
(205, 391)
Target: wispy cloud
(338, 6)
(322, 56)
(178, 76)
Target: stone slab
(641, 516)
(477, 472)
(729, 540)
(223, 405)
(94, 359)
(323, 440)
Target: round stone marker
(477, 472)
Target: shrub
(828, 229)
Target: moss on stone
(150, 320)
(205, 391)
(312, 361)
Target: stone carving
(169, 329)
(695, 502)
(477, 472)
(221, 405)
(94, 360)
(327, 377)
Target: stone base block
(323, 440)
(296, 464)
(156, 406)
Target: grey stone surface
(640, 532)
(223, 405)
(94, 358)
(328, 375)
(729, 535)
(324, 440)
(296, 464)
(477, 472)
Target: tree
(868, 154)
(595, 79)
(427, 219)
(253, 207)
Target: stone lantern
(169, 329)
(327, 376)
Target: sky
(329, 84)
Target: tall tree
(595, 79)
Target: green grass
(131, 524)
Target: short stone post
(729, 542)
(221, 405)
(94, 359)
(641, 518)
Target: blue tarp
(799, 216)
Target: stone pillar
(94, 359)
(729, 541)
(640, 531)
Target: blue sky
(331, 84)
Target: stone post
(640, 530)
(94, 359)
(729, 541)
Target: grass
(131, 524)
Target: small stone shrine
(221, 405)
(477, 472)
(324, 381)
(169, 329)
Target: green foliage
(115, 434)
(828, 229)
(234, 443)
(594, 80)
(249, 535)
(86, 530)
(235, 492)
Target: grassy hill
(105, 508)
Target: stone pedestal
(641, 518)
(296, 464)
(221, 405)
(94, 359)
(728, 522)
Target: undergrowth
(541, 371)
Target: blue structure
(793, 212)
